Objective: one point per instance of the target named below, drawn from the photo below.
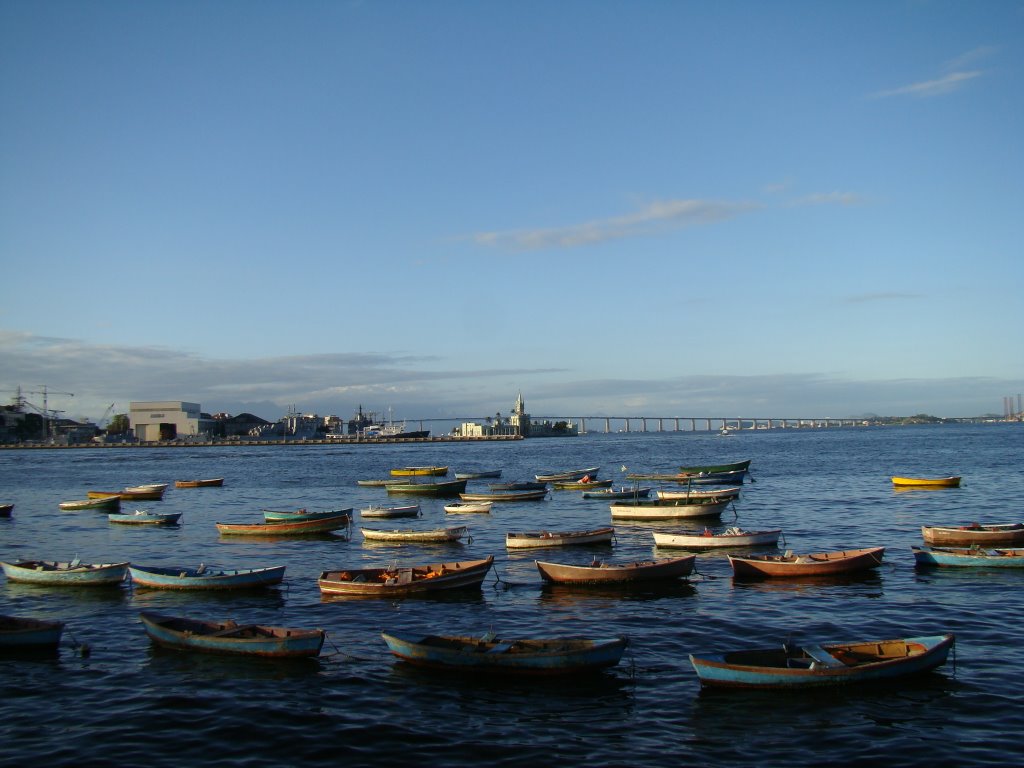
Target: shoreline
(243, 443)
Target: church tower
(519, 420)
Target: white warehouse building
(163, 419)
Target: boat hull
(629, 573)
(704, 493)
(902, 657)
(968, 558)
(505, 496)
(799, 566)
(476, 507)
(286, 527)
(579, 485)
(558, 656)
(419, 471)
(213, 482)
(613, 494)
(104, 503)
(453, 533)
(26, 636)
(227, 637)
(537, 539)
(477, 475)
(410, 510)
(736, 466)
(400, 582)
(667, 510)
(275, 515)
(54, 574)
(565, 477)
(194, 579)
(149, 518)
(1001, 535)
(696, 540)
(926, 482)
(437, 490)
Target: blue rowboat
(555, 656)
(202, 577)
(972, 557)
(823, 665)
(20, 635)
(276, 515)
(73, 574)
(186, 634)
(145, 517)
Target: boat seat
(822, 657)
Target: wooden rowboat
(730, 537)
(970, 557)
(926, 482)
(394, 581)
(105, 503)
(734, 477)
(214, 482)
(154, 577)
(816, 564)
(145, 517)
(505, 496)
(419, 471)
(566, 476)
(6, 510)
(534, 539)
(616, 573)
(676, 509)
(435, 535)
(379, 482)
(375, 511)
(736, 466)
(478, 475)
(184, 634)
(822, 665)
(998, 535)
(624, 492)
(438, 489)
(280, 515)
(73, 574)
(286, 527)
(556, 656)
(138, 493)
(24, 636)
(699, 493)
(520, 485)
(580, 485)
(469, 506)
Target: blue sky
(793, 209)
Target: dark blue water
(126, 703)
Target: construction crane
(47, 413)
(103, 419)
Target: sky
(694, 209)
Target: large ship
(369, 426)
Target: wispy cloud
(656, 217)
(958, 74)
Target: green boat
(426, 488)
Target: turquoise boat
(971, 557)
(24, 636)
(557, 656)
(813, 666)
(298, 515)
(153, 577)
(145, 517)
(73, 574)
(229, 637)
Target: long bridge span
(676, 423)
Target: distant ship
(367, 425)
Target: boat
(374, 510)
(478, 474)
(72, 574)
(105, 503)
(736, 466)
(534, 539)
(396, 581)
(999, 534)
(376, 483)
(505, 496)
(156, 577)
(734, 477)
(969, 557)
(676, 509)
(21, 635)
(185, 634)
(469, 506)
(524, 485)
(442, 488)
(419, 471)
(137, 494)
(366, 426)
(555, 656)
(623, 492)
(730, 537)
(926, 482)
(213, 482)
(281, 515)
(149, 487)
(451, 533)
(732, 492)
(566, 476)
(6, 510)
(816, 564)
(580, 485)
(145, 517)
(616, 573)
(286, 527)
(787, 666)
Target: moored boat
(676, 509)
(735, 466)
(434, 535)
(419, 471)
(826, 664)
(281, 515)
(378, 482)
(734, 477)
(375, 511)
(926, 482)
(396, 581)
(534, 539)
(968, 557)
(157, 577)
(469, 506)
(105, 503)
(566, 475)
(6, 510)
(999, 534)
(145, 517)
(502, 496)
(616, 573)
(23, 635)
(75, 573)
(479, 474)
(286, 527)
(579, 485)
(519, 485)
(426, 488)
(554, 656)
(186, 634)
(699, 493)
(213, 482)
(706, 539)
(814, 564)
(138, 493)
(623, 492)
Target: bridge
(674, 423)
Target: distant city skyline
(692, 209)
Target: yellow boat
(926, 482)
(419, 471)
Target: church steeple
(520, 406)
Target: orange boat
(816, 564)
(926, 482)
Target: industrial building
(164, 420)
